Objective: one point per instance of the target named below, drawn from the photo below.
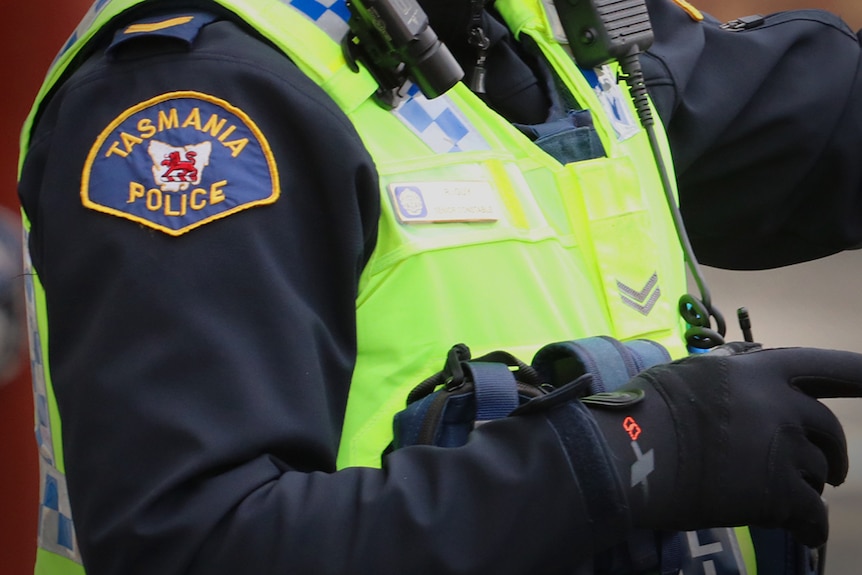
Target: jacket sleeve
(764, 124)
(202, 379)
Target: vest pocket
(624, 242)
(569, 139)
(479, 200)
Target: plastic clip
(453, 372)
(744, 23)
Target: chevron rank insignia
(178, 161)
(642, 300)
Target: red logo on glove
(632, 428)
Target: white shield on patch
(177, 168)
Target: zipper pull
(744, 23)
(480, 41)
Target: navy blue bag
(446, 407)
(443, 409)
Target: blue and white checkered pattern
(83, 26)
(37, 367)
(331, 16)
(439, 123)
(56, 531)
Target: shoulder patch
(183, 26)
(178, 161)
(693, 12)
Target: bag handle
(610, 362)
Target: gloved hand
(733, 439)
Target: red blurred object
(33, 33)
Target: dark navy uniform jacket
(202, 379)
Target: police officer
(251, 234)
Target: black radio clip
(393, 39)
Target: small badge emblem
(410, 202)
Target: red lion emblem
(179, 170)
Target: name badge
(614, 101)
(440, 202)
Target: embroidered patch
(178, 161)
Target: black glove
(733, 439)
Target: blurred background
(33, 32)
(813, 304)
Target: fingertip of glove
(811, 526)
(837, 480)
(811, 537)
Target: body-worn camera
(393, 39)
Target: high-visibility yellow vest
(484, 238)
